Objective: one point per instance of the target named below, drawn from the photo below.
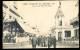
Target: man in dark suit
(39, 41)
(51, 41)
(54, 41)
(34, 41)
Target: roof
(59, 12)
(74, 20)
(15, 24)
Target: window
(59, 34)
(67, 33)
(60, 23)
(76, 33)
(10, 17)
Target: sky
(43, 15)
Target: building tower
(59, 16)
(62, 31)
(59, 22)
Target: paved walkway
(27, 45)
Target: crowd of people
(44, 41)
(9, 38)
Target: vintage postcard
(40, 24)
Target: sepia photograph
(40, 24)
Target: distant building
(75, 23)
(13, 25)
(60, 30)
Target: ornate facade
(61, 31)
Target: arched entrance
(59, 36)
